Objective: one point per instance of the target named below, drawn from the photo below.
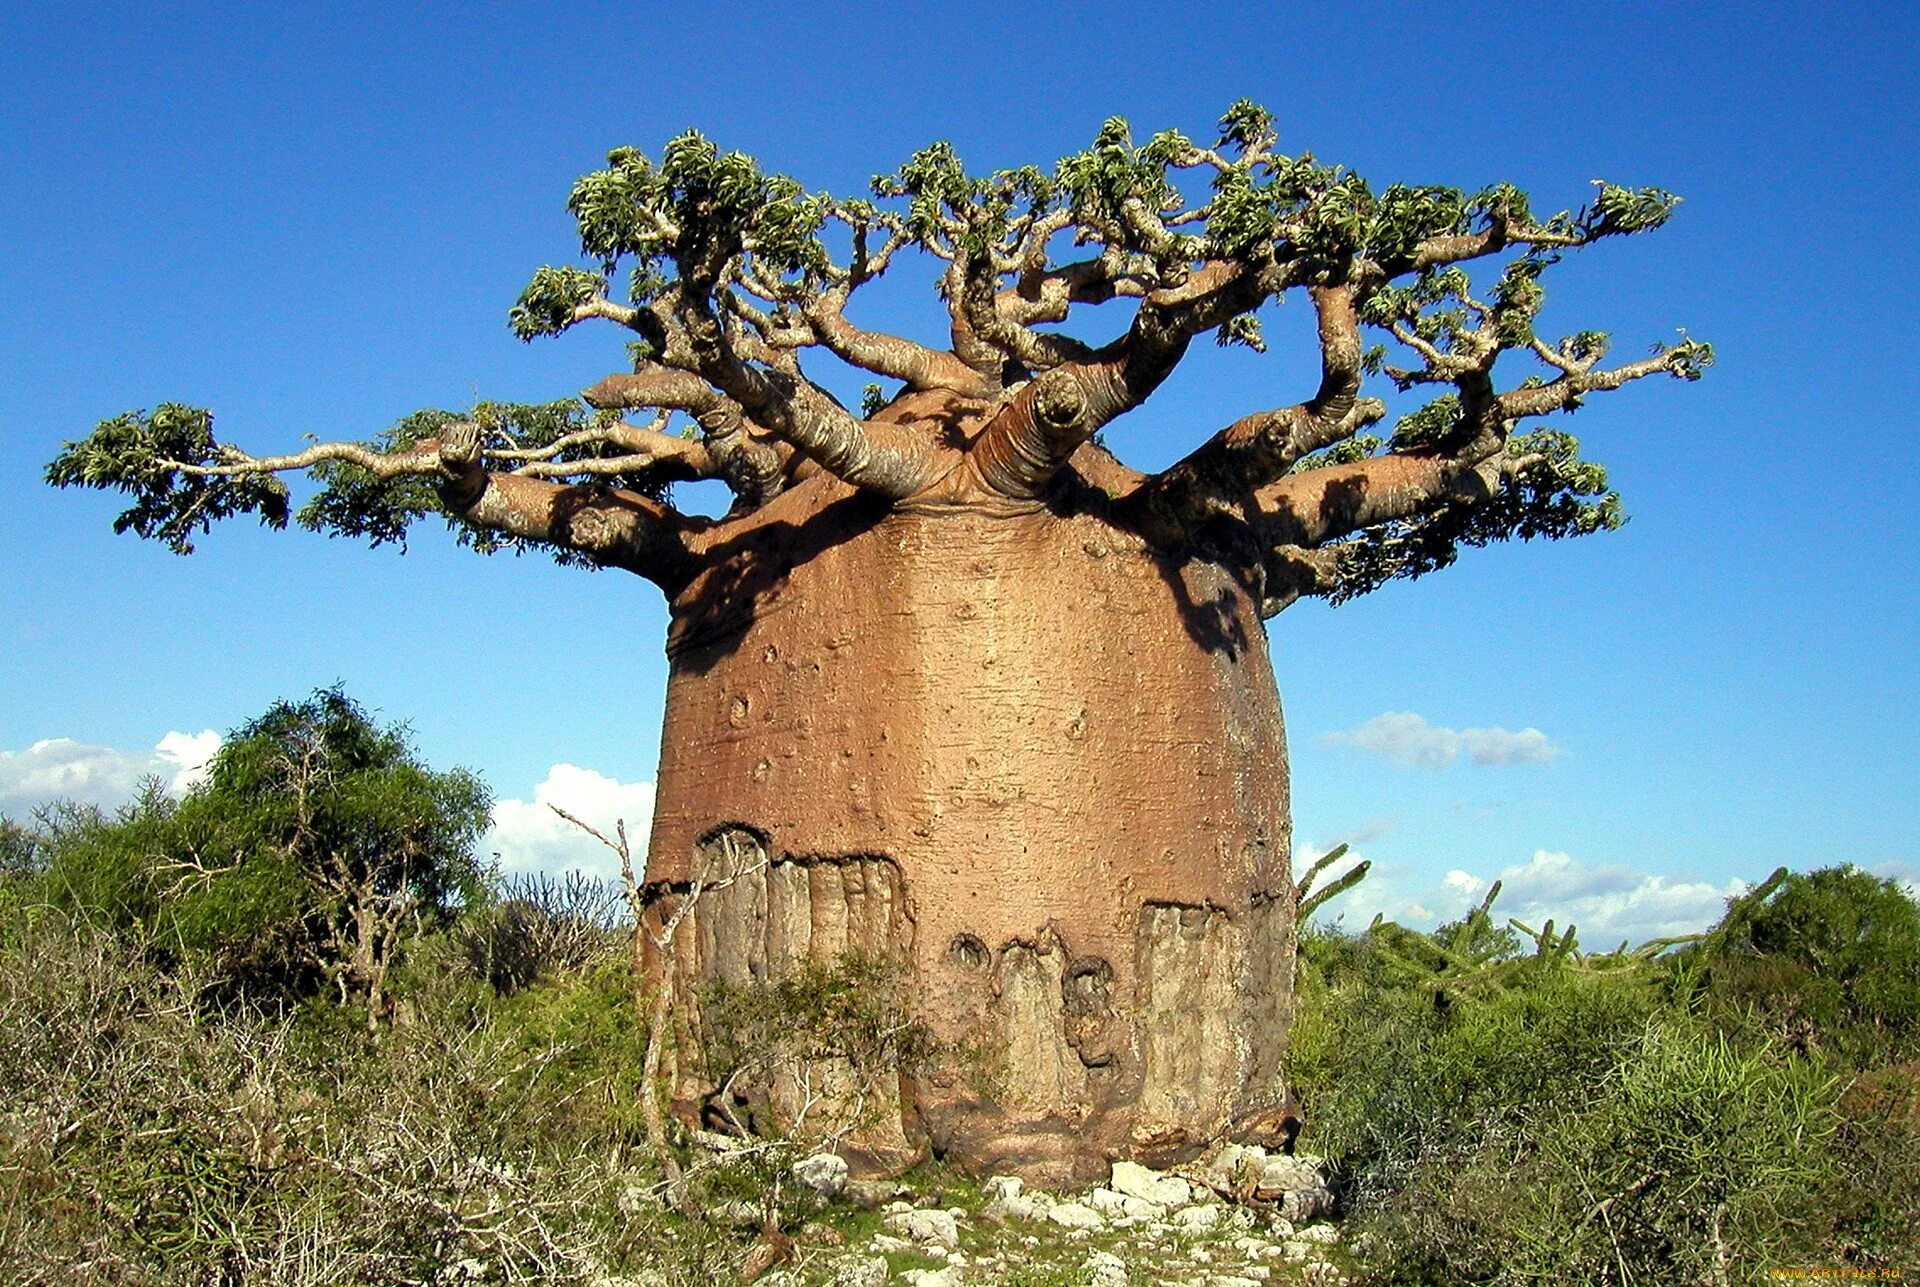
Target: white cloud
(191, 754)
(1906, 874)
(60, 768)
(1607, 902)
(1406, 739)
(530, 836)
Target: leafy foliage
(317, 844)
(141, 455)
(1502, 1115)
(137, 454)
(730, 271)
(830, 1027)
(1831, 963)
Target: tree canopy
(318, 843)
(729, 277)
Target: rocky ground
(1235, 1218)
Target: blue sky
(312, 219)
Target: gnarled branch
(1257, 449)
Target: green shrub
(315, 850)
(1829, 965)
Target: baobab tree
(966, 690)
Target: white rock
(930, 1277)
(1223, 1165)
(1124, 1205)
(1299, 1249)
(824, 1173)
(1302, 1205)
(1197, 1219)
(1231, 1280)
(999, 1188)
(896, 1207)
(1288, 1175)
(1148, 1185)
(1074, 1215)
(887, 1242)
(925, 1227)
(1104, 1269)
(735, 1215)
(869, 1272)
(1321, 1233)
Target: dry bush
(147, 1140)
(537, 925)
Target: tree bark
(1025, 753)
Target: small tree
(317, 846)
(1830, 964)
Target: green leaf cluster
(140, 454)
(136, 454)
(1557, 496)
(682, 220)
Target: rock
(1300, 1249)
(925, 1227)
(1280, 1228)
(870, 1195)
(1226, 1166)
(870, 1272)
(1074, 1215)
(888, 1243)
(735, 1215)
(1304, 1204)
(1321, 1233)
(821, 1235)
(1005, 1197)
(1288, 1175)
(824, 1173)
(1123, 1206)
(1231, 1280)
(1148, 1185)
(1254, 1248)
(1197, 1219)
(930, 1277)
(1104, 1269)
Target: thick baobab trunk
(1031, 758)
